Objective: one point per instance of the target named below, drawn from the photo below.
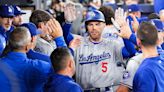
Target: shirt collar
(17, 55)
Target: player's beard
(7, 27)
(95, 36)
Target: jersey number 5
(104, 66)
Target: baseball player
(149, 76)
(97, 58)
(6, 15)
(17, 20)
(31, 75)
(134, 63)
(64, 67)
(131, 68)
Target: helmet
(95, 16)
(6, 11)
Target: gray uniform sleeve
(44, 47)
(131, 69)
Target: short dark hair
(38, 16)
(59, 58)
(148, 34)
(108, 14)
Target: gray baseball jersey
(131, 69)
(96, 64)
(44, 47)
(109, 34)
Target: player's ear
(41, 25)
(139, 42)
(69, 63)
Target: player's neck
(149, 52)
(65, 73)
(95, 40)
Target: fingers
(118, 33)
(54, 28)
(70, 12)
(75, 43)
(116, 25)
(49, 29)
(125, 15)
(116, 14)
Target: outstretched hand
(75, 43)
(70, 12)
(120, 18)
(121, 23)
(54, 28)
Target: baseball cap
(17, 10)
(32, 28)
(6, 11)
(95, 15)
(133, 8)
(158, 24)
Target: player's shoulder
(134, 63)
(137, 58)
(40, 65)
(74, 87)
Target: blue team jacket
(150, 75)
(62, 83)
(4, 37)
(29, 75)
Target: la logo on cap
(130, 10)
(92, 14)
(18, 8)
(9, 9)
(153, 23)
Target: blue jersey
(68, 36)
(4, 35)
(150, 75)
(62, 83)
(30, 75)
(158, 5)
(10, 84)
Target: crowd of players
(112, 51)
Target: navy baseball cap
(133, 8)
(32, 28)
(6, 11)
(17, 10)
(158, 24)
